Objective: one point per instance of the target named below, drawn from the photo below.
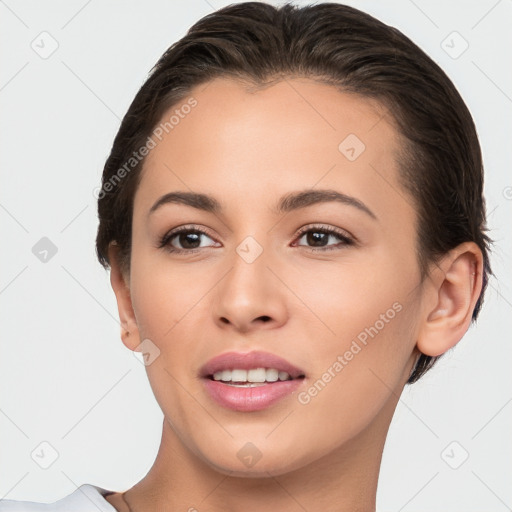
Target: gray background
(65, 377)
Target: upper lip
(248, 360)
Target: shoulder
(86, 498)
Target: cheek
(360, 291)
(163, 296)
(171, 307)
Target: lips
(222, 376)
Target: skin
(247, 149)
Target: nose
(250, 297)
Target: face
(306, 267)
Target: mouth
(250, 381)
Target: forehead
(263, 142)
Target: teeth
(254, 375)
(257, 375)
(283, 375)
(238, 376)
(272, 375)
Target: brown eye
(317, 238)
(188, 240)
(185, 240)
(323, 238)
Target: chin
(260, 458)
(265, 467)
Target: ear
(453, 288)
(120, 284)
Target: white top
(87, 498)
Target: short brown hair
(440, 163)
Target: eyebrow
(290, 202)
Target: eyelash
(345, 239)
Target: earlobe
(129, 329)
(454, 287)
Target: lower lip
(247, 399)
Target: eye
(320, 237)
(185, 240)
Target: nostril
(265, 318)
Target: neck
(344, 480)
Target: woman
(293, 217)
